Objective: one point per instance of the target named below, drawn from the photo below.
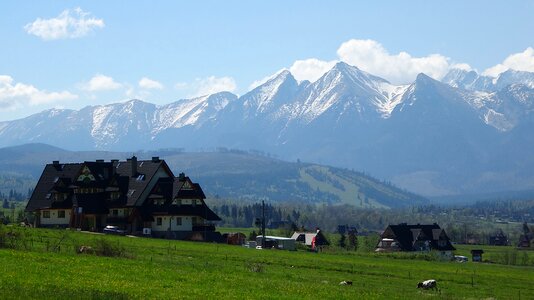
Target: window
(46, 214)
(130, 192)
(115, 212)
(141, 177)
(56, 179)
(178, 221)
(177, 202)
(61, 214)
(158, 221)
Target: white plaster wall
(187, 224)
(54, 220)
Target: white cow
(428, 284)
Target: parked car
(110, 229)
(460, 258)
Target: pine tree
(342, 241)
(353, 240)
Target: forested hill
(235, 175)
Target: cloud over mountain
(522, 61)
(14, 95)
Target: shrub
(104, 247)
(255, 267)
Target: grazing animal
(428, 284)
(86, 250)
(345, 282)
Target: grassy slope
(172, 269)
(230, 174)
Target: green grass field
(36, 268)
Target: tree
(6, 204)
(342, 241)
(252, 236)
(353, 240)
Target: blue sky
(162, 51)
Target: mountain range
(467, 133)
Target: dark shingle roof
(47, 181)
(406, 235)
(130, 181)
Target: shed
(477, 255)
(277, 242)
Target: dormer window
(130, 192)
(187, 186)
(56, 179)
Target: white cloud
(372, 57)
(147, 83)
(522, 61)
(69, 24)
(100, 82)
(310, 69)
(207, 86)
(462, 66)
(16, 95)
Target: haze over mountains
(466, 134)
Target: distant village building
(526, 238)
(404, 237)
(234, 238)
(141, 197)
(476, 255)
(498, 239)
(312, 239)
(276, 242)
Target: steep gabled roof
(50, 176)
(407, 235)
(138, 182)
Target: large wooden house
(138, 196)
(404, 237)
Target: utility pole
(263, 224)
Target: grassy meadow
(43, 264)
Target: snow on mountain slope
(271, 98)
(471, 80)
(111, 122)
(190, 112)
(347, 89)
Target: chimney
(113, 167)
(55, 162)
(134, 166)
(181, 176)
(155, 159)
(99, 160)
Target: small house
(477, 255)
(311, 239)
(234, 238)
(498, 239)
(404, 237)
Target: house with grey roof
(138, 196)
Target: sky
(71, 54)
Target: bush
(104, 247)
(12, 238)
